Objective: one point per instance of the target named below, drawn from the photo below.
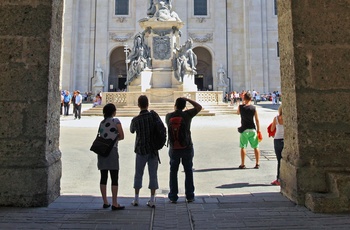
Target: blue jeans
(185, 157)
(278, 144)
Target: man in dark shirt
(248, 130)
(184, 155)
(143, 125)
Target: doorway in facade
(117, 70)
(204, 77)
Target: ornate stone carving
(120, 38)
(139, 58)
(121, 19)
(201, 38)
(161, 11)
(162, 32)
(161, 47)
(185, 60)
(200, 19)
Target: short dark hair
(248, 96)
(180, 103)
(143, 101)
(108, 110)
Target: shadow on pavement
(241, 185)
(215, 169)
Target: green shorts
(250, 136)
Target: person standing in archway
(143, 124)
(181, 146)
(249, 131)
(278, 141)
(110, 128)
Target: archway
(314, 59)
(204, 77)
(117, 70)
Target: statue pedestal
(162, 37)
(97, 88)
(188, 83)
(222, 88)
(142, 82)
(159, 81)
(161, 77)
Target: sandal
(242, 167)
(106, 205)
(257, 166)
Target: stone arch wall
(315, 69)
(30, 47)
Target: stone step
(162, 109)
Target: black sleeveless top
(247, 116)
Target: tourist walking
(110, 128)
(248, 129)
(143, 124)
(278, 141)
(181, 146)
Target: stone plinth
(162, 37)
(314, 50)
(142, 82)
(162, 77)
(188, 83)
(160, 95)
(223, 89)
(97, 89)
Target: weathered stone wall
(314, 41)
(30, 41)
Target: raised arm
(196, 105)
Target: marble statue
(160, 10)
(221, 77)
(99, 75)
(185, 61)
(139, 58)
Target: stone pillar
(30, 159)
(314, 49)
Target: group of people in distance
(67, 99)
(143, 125)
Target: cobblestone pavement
(226, 197)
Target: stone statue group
(185, 60)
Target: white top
(279, 130)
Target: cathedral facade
(236, 38)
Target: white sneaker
(151, 204)
(135, 203)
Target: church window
(200, 7)
(275, 7)
(121, 7)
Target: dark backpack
(158, 132)
(179, 137)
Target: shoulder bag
(102, 146)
